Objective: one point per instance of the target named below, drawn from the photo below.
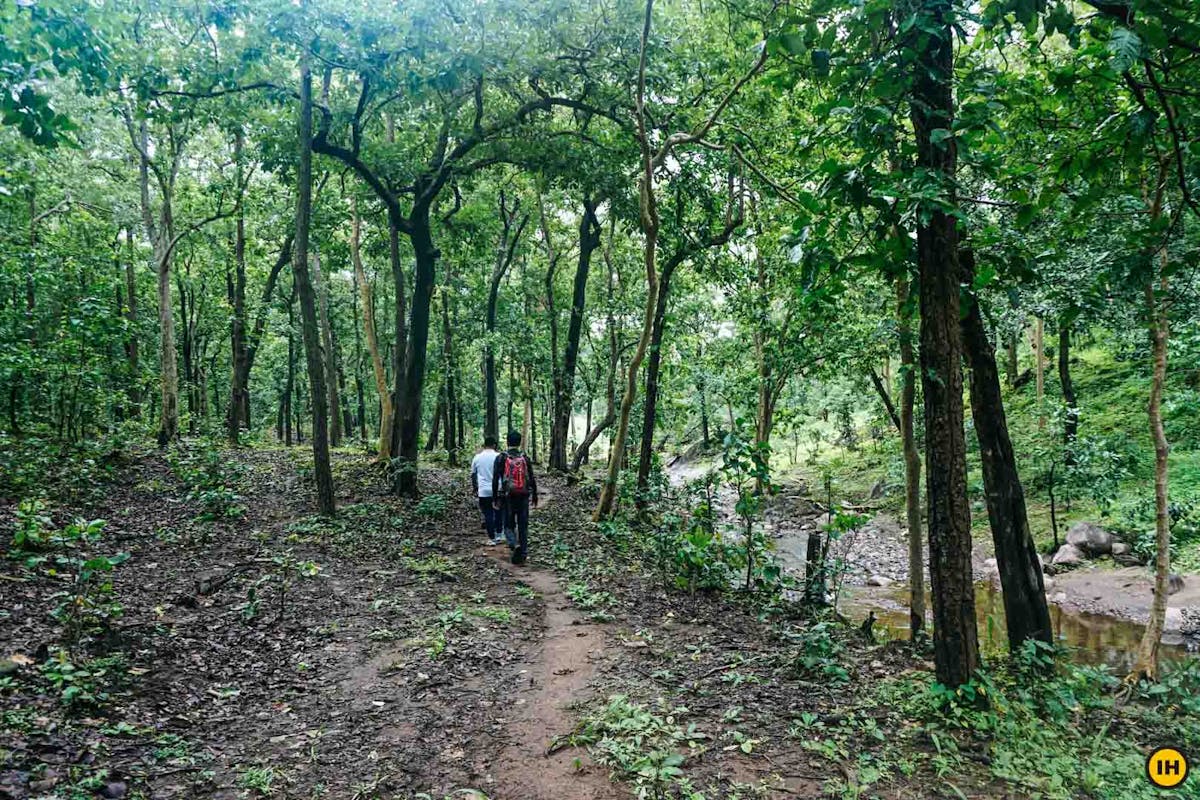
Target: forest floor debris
(263, 651)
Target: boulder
(1068, 556)
(1090, 538)
(991, 570)
(1048, 584)
(1191, 622)
(879, 580)
(1119, 549)
(1185, 621)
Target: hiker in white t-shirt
(482, 469)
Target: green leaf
(793, 43)
(1125, 47)
(820, 62)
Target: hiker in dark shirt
(513, 488)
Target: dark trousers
(518, 522)
(493, 518)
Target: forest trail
(558, 679)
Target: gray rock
(1090, 538)
(1059, 597)
(1191, 622)
(1068, 556)
(1119, 549)
(1048, 584)
(879, 580)
(114, 790)
(1174, 583)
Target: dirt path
(556, 679)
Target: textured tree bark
(1025, 608)
(318, 397)
(1039, 361)
(131, 344)
(589, 241)
(168, 370)
(399, 313)
(383, 449)
(189, 383)
(1071, 421)
(435, 424)
(956, 642)
(1146, 665)
(885, 398)
(912, 463)
(451, 368)
(328, 351)
(1014, 339)
(653, 368)
(289, 390)
(409, 416)
(239, 397)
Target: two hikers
(506, 487)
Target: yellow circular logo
(1167, 767)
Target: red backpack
(516, 475)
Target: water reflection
(1097, 638)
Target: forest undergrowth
(180, 624)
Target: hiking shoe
(518, 558)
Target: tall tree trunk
(415, 358)
(505, 251)
(1039, 361)
(1024, 594)
(912, 462)
(527, 418)
(168, 369)
(318, 397)
(1014, 339)
(400, 312)
(955, 638)
(131, 341)
(589, 241)
(702, 393)
(435, 423)
(653, 369)
(361, 414)
(289, 390)
(1146, 665)
(188, 369)
(610, 414)
(451, 387)
(239, 398)
(648, 212)
(255, 336)
(1071, 421)
(329, 352)
(384, 448)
